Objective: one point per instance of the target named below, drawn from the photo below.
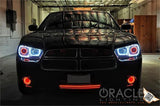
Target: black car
(78, 50)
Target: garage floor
(11, 95)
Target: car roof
(79, 11)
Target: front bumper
(113, 78)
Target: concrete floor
(11, 95)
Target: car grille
(83, 59)
(53, 64)
(61, 53)
(89, 52)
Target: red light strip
(95, 86)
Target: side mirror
(126, 27)
(32, 27)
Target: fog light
(26, 80)
(131, 79)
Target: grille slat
(61, 53)
(59, 64)
(97, 64)
(92, 52)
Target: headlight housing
(128, 53)
(29, 54)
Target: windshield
(77, 19)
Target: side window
(108, 19)
(113, 24)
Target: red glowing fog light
(26, 80)
(131, 79)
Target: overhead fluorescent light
(82, 8)
(136, 1)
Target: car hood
(78, 38)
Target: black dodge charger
(78, 50)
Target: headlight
(29, 54)
(128, 53)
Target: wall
(31, 11)
(158, 23)
(8, 39)
(147, 7)
(43, 14)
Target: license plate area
(79, 79)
